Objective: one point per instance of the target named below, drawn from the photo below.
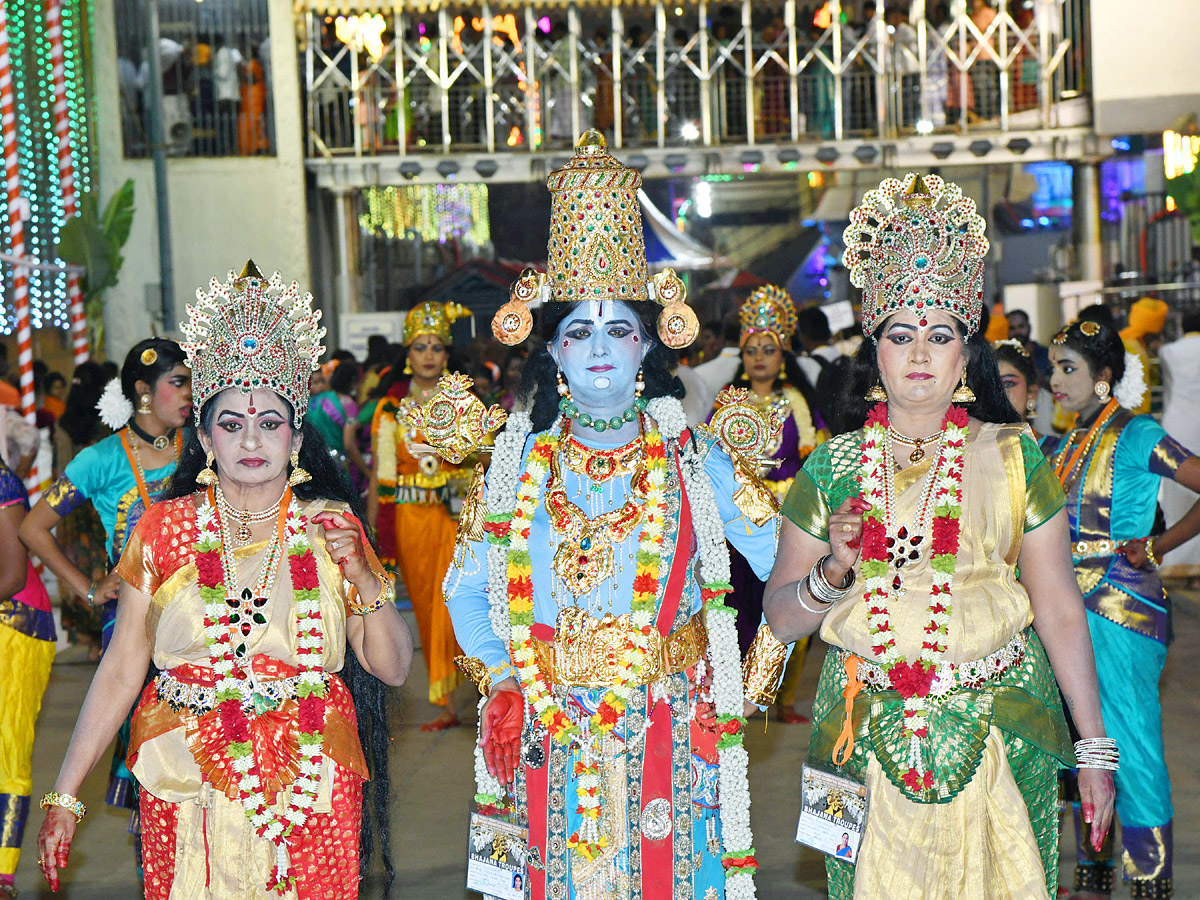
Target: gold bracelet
(67, 802)
(1154, 560)
(387, 594)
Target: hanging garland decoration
(235, 691)
(912, 680)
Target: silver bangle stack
(1098, 753)
(820, 590)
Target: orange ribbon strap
(845, 741)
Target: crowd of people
(627, 570)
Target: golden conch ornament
(677, 323)
(746, 431)
(454, 421)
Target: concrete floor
(433, 784)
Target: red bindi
(923, 323)
(251, 410)
(635, 338)
(566, 343)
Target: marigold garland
(587, 840)
(912, 680)
(235, 686)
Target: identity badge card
(833, 813)
(496, 857)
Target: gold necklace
(244, 517)
(585, 555)
(600, 466)
(918, 444)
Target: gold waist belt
(590, 652)
(1095, 549)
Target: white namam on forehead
(599, 346)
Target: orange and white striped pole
(16, 224)
(66, 169)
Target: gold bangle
(475, 670)
(1154, 560)
(67, 802)
(387, 594)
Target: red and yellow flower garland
(587, 840)
(913, 681)
(234, 689)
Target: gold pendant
(160, 442)
(917, 455)
(242, 534)
(583, 562)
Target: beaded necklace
(1067, 470)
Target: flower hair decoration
(916, 244)
(114, 407)
(253, 333)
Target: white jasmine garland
(723, 653)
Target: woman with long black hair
(905, 543)
(245, 589)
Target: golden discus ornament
(454, 421)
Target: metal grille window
(533, 74)
(216, 77)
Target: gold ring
(846, 527)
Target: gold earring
(144, 408)
(1102, 390)
(963, 393)
(207, 476)
(876, 394)
(639, 384)
(407, 367)
(299, 475)
(1031, 406)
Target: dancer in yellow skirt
(26, 652)
(409, 497)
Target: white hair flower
(1132, 386)
(114, 407)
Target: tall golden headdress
(432, 318)
(917, 244)
(596, 249)
(769, 310)
(253, 333)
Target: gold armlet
(763, 666)
(475, 669)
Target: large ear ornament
(677, 323)
(513, 321)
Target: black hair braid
(983, 377)
(1102, 349)
(80, 419)
(539, 384)
(375, 733)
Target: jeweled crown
(253, 333)
(431, 317)
(916, 244)
(769, 310)
(596, 249)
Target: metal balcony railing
(529, 75)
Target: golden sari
(996, 748)
(197, 839)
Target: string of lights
(37, 149)
(437, 212)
